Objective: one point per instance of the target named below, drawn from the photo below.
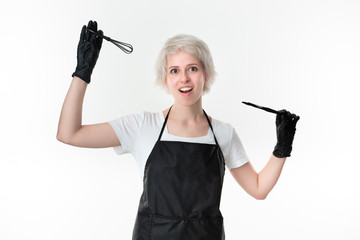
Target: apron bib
(182, 190)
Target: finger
(95, 26)
(281, 112)
(278, 118)
(82, 34)
(292, 116)
(93, 38)
(285, 118)
(88, 34)
(296, 119)
(288, 116)
(293, 120)
(99, 39)
(100, 32)
(91, 25)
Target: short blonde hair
(192, 45)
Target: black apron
(182, 190)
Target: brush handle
(261, 107)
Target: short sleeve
(127, 129)
(236, 155)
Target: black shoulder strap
(211, 127)
(162, 129)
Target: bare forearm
(269, 175)
(71, 113)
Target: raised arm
(70, 128)
(260, 184)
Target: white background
(300, 55)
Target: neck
(187, 113)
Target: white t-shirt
(139, 132)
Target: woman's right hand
(88, 51)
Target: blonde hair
(192, 45)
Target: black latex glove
(285, 131)
(88, 51)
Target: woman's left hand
(285, 131)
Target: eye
(193, 69)
(173, 71)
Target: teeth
(185, 89)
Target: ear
(205, 78)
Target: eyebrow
(190, 64)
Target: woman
(181, 151)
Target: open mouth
(185, 89)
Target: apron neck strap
(162, 129)
(207, 118)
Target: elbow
(62, 139)
(260, 196)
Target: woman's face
(185, 78)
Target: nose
(184, 76)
